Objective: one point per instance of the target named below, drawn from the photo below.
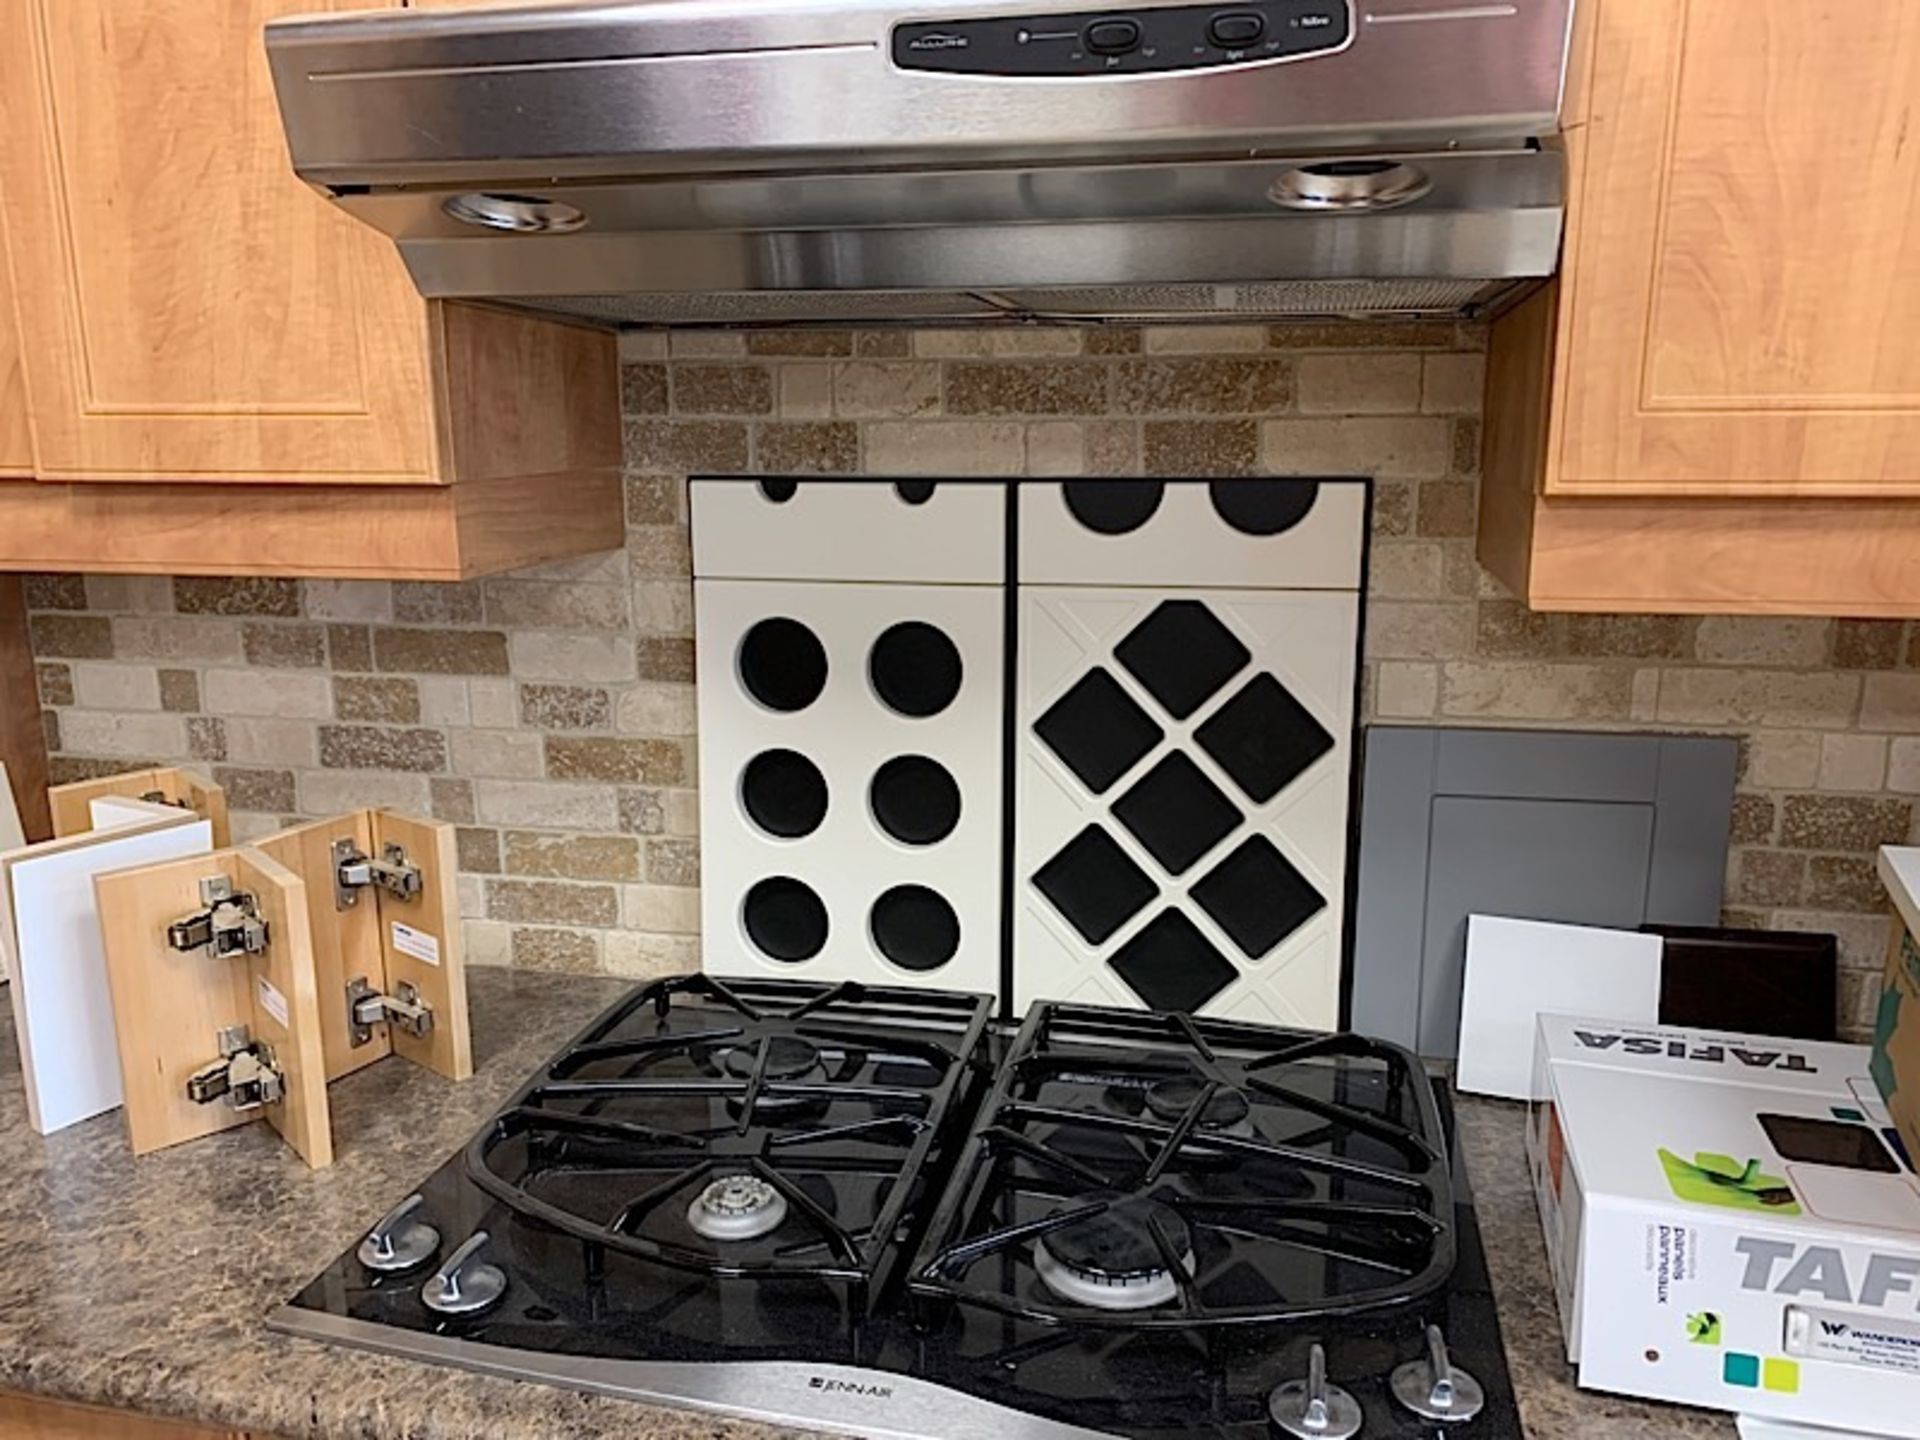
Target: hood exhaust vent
(786, 161)
(1146, 304)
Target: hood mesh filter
(1330, 298)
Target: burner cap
(1171, 1099)
(1109, 1260)
(788, 1058)
(737, 1207)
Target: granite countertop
(142, 1284)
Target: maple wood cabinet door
(1741, 283)
(16, 433)
(195, 311)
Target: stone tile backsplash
(550, 714)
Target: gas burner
(1110, 1260)
(737, 1207)
(1227, 1112)
(788, 1058)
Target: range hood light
(522, 214)
(1349, 186)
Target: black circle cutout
(785, 919)
(915, 928)
(914, 492)
(915, 669)
(1113, 507)
(783, 664)
(915, 800)
(784, 793)
(1263, 507)
(779, 491)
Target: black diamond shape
(1263, 738)
(1095, 884)
(1170, 965)
(1098, 730)
(1257, 896)
(1182, 654)
(1177, 813)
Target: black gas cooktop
(870, 1210)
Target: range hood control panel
(1122, 42)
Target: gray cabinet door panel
(1590, 829)
(1583, 861)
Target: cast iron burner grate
(745, 1129)
(1239, 1184)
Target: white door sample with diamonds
(1171, 743)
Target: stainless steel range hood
(745, 161)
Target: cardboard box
(1728, 1222)
(1896, 1029)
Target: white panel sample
(1185, 541)
(846, 529)
(1755, 1427)
(1519, 970)
(848, 734)
(1265, 964)
(62, 1007)
(12, 837)
(110, 812)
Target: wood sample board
(169, 1005)
(72, 805)
(383, 939)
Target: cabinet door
(1742, 270)
(16, 434)
(197, 311)
(24, 1418)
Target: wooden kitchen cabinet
(16, 434)
(28, 1418)
(1716, 407)
(202, 321)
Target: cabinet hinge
(229, 925)
(367, 1007)
(354, 870)
(245, 1075)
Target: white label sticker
(1853, 1339)
(417, 943)
(272, 1001)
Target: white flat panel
(1519, 970)
(849, 862)
(841, 529)
(1300, 643)
(111, 812)
(12, 837)
(62, 1005)
(1755, 1427)
(1187, 542)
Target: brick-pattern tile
(376, 747)
(280, 647)
(212, 595)
(179, 690)
(268, 790)
(382, 699)
(440, 652)
(646, 762)
(55, 682)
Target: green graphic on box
(1703, 1328)
(1710, 1179)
